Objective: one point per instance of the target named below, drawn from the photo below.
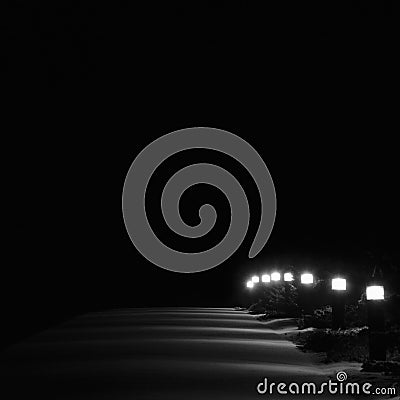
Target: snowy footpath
(159, 353)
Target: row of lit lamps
(373, 292)
(276, 276)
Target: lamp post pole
(376, 317)
(287, 280)
(338, 302)
(307, 282)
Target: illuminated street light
(338, 303)
(255, 279)
(288, 277)
(338, 284)
(250, 284)
(375, 293)
(266, 278)
(275, 276)
(307, 279)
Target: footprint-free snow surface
(163, 353)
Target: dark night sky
(309, 87)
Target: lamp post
(252, 290)
(375, 293)
(307, 281)
(339, 287)
(288, 287)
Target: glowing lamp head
(266, 278)
(255, 279)
(338, 284)
(288, 277)
(375, 293)
(307, 279)
(250, 284)
(275, 276)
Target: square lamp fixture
(275, 276)
(288, 277)
(255, 279)
(266, 278)
(375, 293)
(338, 284)
(307, 279)
(250, 284)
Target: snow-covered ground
(164, 353)
(288, 327)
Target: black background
(311, 86)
